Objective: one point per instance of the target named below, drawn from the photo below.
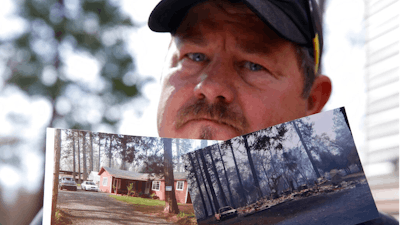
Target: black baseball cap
(298, 21)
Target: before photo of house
(117, 181)
(131, 178)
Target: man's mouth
(180, 124)
(219, 113)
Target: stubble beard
(206, 133)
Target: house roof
(125, 174)
(137, 176)
(180, 176)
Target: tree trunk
(303, 175)
(91, 152)
(266, 174)
(57, 153)
(210, 184)
(241, 192)
(79, 158)
(73, 155)
(217, 177)
(109, 153)
(178, 156)
(198, 183)
(84, 147)
(98, 167)
(123, 143)
(227, 180)
(171, 205)
(251, 164)
(306, 148)
(205, 184)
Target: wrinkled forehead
(234, 19)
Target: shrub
(130, 187)
(145, 196)
(182, 215)
(154, 196)
(58, 215)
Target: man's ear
(319, 95)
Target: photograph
(306, 171)
(112, 178)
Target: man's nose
(216, 82)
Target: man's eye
(253, 66)
(197, 57)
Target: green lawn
(139, 201)
(156, 207)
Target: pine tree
(171, 206)
(57, 153)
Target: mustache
(219, 112)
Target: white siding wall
(382, 21)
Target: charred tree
(214, 169)
(251, 164)
(194, 172)
(208, 178)
(227, 180)
(205, 183)
(306, 148)
(265, 172)
(241, 191)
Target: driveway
(98, 208)
(350, 206)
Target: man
(229, 73)
(235, 67)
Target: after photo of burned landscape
(305, 171)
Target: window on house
(105, 181)
(156, 186)
(179, 185)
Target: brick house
(142, 183)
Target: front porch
(120, 186)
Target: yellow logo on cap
(316, 53)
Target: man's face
(228, 74)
